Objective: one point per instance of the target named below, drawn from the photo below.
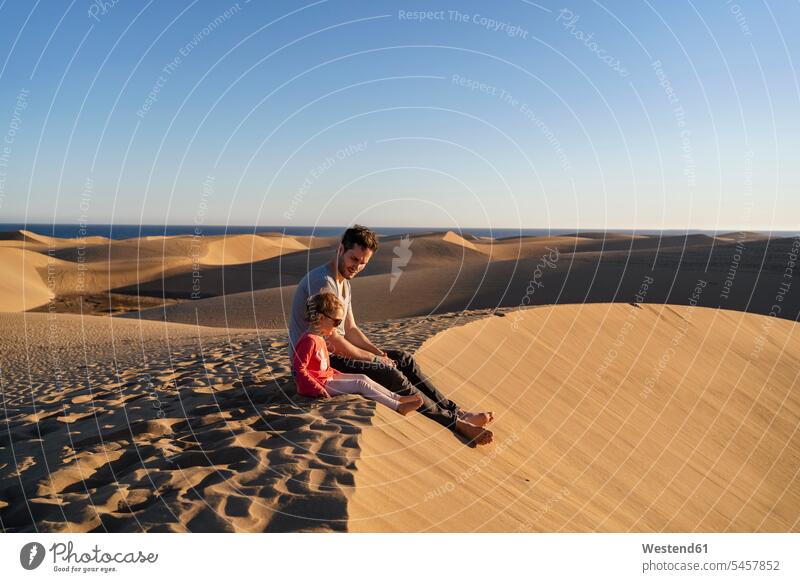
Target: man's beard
(344, 272)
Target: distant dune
(21, 283)
(447, 273)
(64, 268)
(247, 280)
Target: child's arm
(307, 385)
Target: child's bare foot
(475, 434)
(408, 404)
(410, 398)
(477, 418)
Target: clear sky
(651, 114)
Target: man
(353, 353)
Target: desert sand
(445, 273)
(609, 418)
(38, 268)
(639, 384)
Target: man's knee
(401, 356)
(393, 379)
(396, 376)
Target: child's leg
(361, 384)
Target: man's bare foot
(408, 406)
(475, 434)
(476, 418)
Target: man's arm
(356, 343)
(356, 337)
(341, 346)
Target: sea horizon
(126, 231)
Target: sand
(609, 418)
(21, 286)
(60, 269)
(165, 428)
(247, 281)
(439, 273)
(619, 406)
(117, 425)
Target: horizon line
(448, 228)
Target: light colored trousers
(364, 385)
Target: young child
(312, 372)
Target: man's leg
(396, 381)
(411, 370)
(408, 366)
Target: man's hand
(387, 361)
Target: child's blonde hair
(326, 303)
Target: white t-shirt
(319, 279)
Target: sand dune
(246, 248)
(609, 418)
(182, 416)
(456, 239)
(41, 241)
(21, 285)
(180, 250)
(426, 251)
(65, 268)
(742, 235)
(441, 277)
(608, 235)
(142, 426)
(246, 278)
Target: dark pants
(406, 379)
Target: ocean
(123, 231)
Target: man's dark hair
(361, 236)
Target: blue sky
(470, 114)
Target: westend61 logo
(31, 555)
(66, 559)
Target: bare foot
(475, 434)
(411, 398)
(408, 406)
(477, 418)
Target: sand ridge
(65, 267)
(438, 276)
(686, 423)
(247, 280)
(21, 284)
